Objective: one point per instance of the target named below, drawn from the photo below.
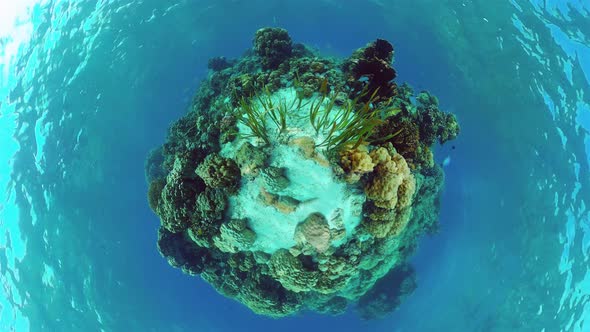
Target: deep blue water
(96, 84)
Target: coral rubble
(299, 182)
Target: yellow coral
(380, 155)
(356, 162)
(392, 185)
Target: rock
(274, 178)
(315, 231)
(307, 147)
(337, 230)
(250, 159)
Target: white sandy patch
(312, 184)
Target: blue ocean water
(87, 88)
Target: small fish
(447, 161)
(308, 201)
(392, 111)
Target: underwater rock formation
(297, 182)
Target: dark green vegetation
(377, 140)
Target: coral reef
(299, 182)
(210, 205)
(176, 204)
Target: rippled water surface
(87, 88)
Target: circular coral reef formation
(298, 182)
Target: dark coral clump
(191, 136)
(388, 293)
(273, 46)
(435, 125)
(210, 205)
(177, 203)
(369, 69)
(407, 141)
(155, 193)
(219, 172)
(416, 128)
(219, 63)
(181, 252)
(154, 165)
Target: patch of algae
(254, 197)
